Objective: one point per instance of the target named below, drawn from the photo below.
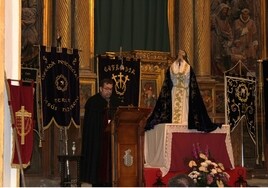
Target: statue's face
(181, 54)
(245, 15)
(224, 11)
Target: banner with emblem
(59, 70)
(265, 84)
(241, 101)
(126, 75)
(21, 99)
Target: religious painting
(148, 93)
(219, 102)
(235, 35)
(31, 32)
(87, 89)
(207, 98)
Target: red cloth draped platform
(168, 148)
(152, 174)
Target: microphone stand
(68, 176)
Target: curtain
(131, 24)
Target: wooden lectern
(127, 134)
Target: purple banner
(60, 86)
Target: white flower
(220, 183)
(221, 166)
(207, 171)
(214, 164)
(192, 164)
(203, 156)
(219, 170)
(194, 174)
(213, 171)
(202, 169)
(204, 164)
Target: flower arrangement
(205, 171)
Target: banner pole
(19, 157)
(39, 104)
(261, 101)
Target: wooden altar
(167, 146)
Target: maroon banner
(21, 99)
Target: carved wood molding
(144, 55)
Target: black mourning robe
(197, 116)
(96, 151)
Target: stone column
(84, 32)
(202, 58)
(186, 28)
(63, 22)
(171, 26)
(47, 23)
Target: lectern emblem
(128, 158)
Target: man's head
(106, 88)
(181, 180)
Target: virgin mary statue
(180, 101)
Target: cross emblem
(23, 123)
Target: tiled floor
(46, 182)
(258, 178)
(40, 182)
(258, 182)
(255, 178)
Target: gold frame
(156, 76)
(152, 81)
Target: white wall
(12, 67)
